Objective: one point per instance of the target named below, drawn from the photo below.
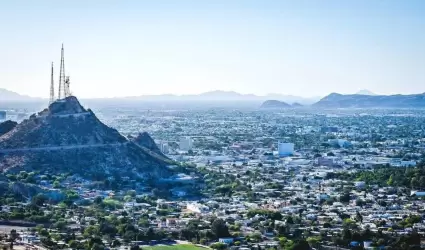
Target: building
(325, 161)
(2, 115)
(339, 143)
(165, 149)
(197, 208)
(227, 241)
(328, 129)
(185, 143)
(285, 149)
(360, 184)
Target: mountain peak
(69, 105)
(365, 92)
(274, 104)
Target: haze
(129, 48)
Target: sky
(138, 47)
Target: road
(52, 148)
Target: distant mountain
(274, 104)
(211, 96)
(336, 100)
(66, 138)
(297, 105)
(364, 92)
(219, 95)
(10, 96)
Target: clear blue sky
(127, 48)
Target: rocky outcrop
(145, 140)
(7, 126)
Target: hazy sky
(127, 48)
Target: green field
(174, 247)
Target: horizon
(136, 48)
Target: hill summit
(66, 137)
(274, 104)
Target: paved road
(51, 148)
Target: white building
(164, 148)
(185, 143)
(285, 149)
(197, 208)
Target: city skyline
(140, 48)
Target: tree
(220, 229)
(13, 237)
(346, 234)
(359, 217)
(390, 181)
(422, 181)
(97, 246)
(38, 199)
(313, 241)
(301, 245)
(218, 246)
(289, 220)
(414, 183)
(98, 200)
(345, 197)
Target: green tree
(220, 229)
(390, 181)
(218, 246)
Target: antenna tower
(67, 90)
(52, 88)
(61, 92)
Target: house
(417, 193)
(170, 222)
(29, 239)
(227, 241)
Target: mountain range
(217, 95)
(361, 99)
(10, 96)
(336, 100)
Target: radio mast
(52, 88)
(61, 92)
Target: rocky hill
(145, 140)
(274, 104)
(335, 100)
(68, 138)
(7, 126)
